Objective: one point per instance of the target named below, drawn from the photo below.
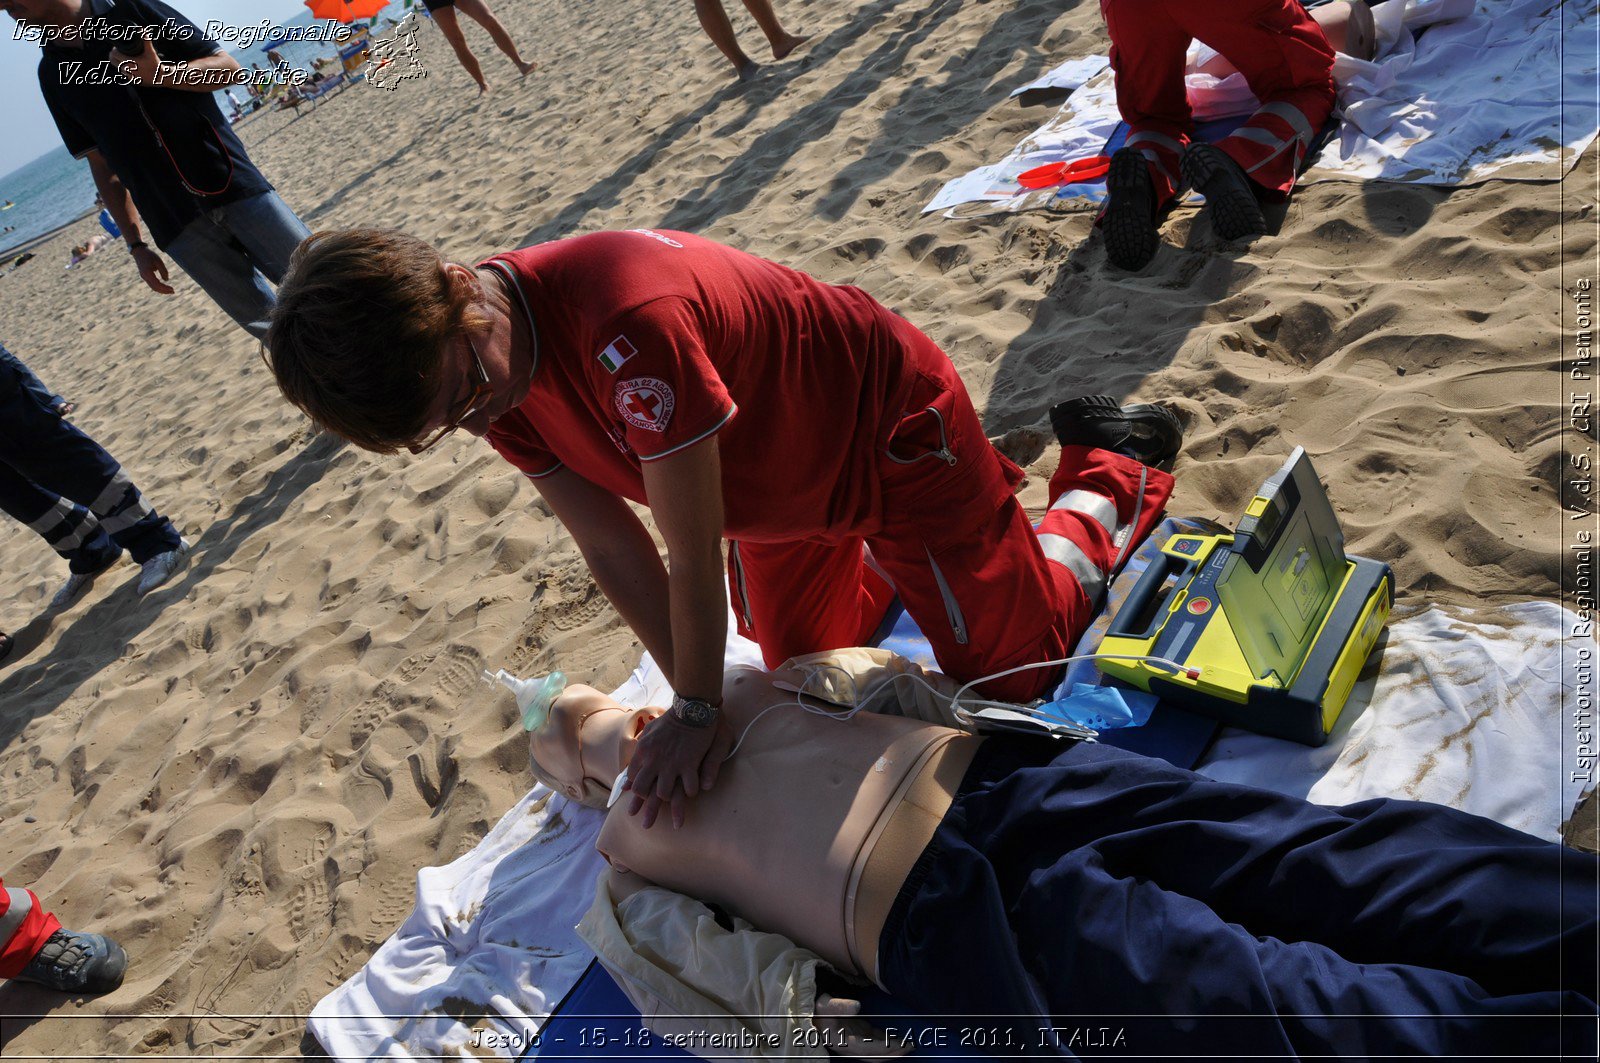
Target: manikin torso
(812, 826)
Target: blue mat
(596, 1020)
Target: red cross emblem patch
(645, 402)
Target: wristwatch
(696, 712)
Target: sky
(28, 131)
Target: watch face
(694, 712)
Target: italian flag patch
(616, 352)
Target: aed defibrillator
(1271, 623)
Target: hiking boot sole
(1129, 223)
(1230, 199)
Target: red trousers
(955, 543)
(1279, 49)
(24, 928)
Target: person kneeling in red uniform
(826, 439)
(1288, 62)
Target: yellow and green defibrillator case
(1276, 620)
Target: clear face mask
(534, 696)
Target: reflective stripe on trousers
(16, 911)
(1070, 555)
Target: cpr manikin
(1039, 878)
(812, 826)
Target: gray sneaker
(76, 962)
(76, 584)
(156, 571)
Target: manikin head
(586, 742)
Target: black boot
(1230, 195)
(1129, 222)
(75, 962)
(1146, 433)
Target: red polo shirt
(651, 341)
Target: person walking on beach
(444, 14)
(714, 20)
(1287, 61)
(162, 154)
(64, 485)
(741, 400)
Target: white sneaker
(156, 571)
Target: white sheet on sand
(1072, 74)
(1505, 92)
(1470, 710)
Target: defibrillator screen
(1277, 604)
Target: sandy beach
(239, 776)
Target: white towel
(1468, 709)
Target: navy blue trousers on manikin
(1142, 909)
(64, 485)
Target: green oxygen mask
(534, 696)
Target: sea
(56, 189)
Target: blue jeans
(1070, 883)
(233, 251)
(43, 458)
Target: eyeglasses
(481, 392)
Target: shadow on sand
(104, 633)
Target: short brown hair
(358, 337)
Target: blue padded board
(597, 1021)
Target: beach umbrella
(346, 11)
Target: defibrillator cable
(962, 713)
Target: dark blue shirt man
(130, 83)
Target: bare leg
(479, 12)
(783, 42)
(714, 20)
(445, 19)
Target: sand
(239, 776)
